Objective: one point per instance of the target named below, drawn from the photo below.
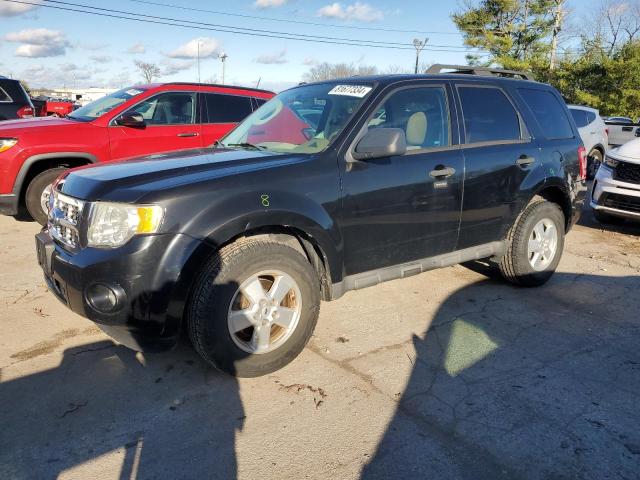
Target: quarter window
(551, 115)
(174, 108)
(488, 115)
(421, 112)
(4, 96)
(226, 108)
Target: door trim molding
(374, 277)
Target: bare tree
(327, 71)
(615, 24)
(149, 71)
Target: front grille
(627, 172)
(622, 202)
(64, 217)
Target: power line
(110, 13)
(300, 22)
(245, 29)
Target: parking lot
(448, 374)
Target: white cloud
(208, 48)
(101, 58)
(310, 61)
(358, 11)
(137, 48)
(14, 9)
(276, 58)
(172, 67)
(269, 3)
(39, 42)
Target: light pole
(198, 61)
(222, 56)
(419, 45)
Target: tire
(516, 266)
(215, 296)
(594, 159)
(605, 218)
(35, 191)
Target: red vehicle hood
(24, 125)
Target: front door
(398, 209)
(170, 125)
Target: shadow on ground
(523, 383)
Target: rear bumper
(8, 204)
(616, 198)
(143, 277)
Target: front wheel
(37, 195)
(253, 307)
(535, 244)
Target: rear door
(582, 122)
(170, 125)
(398, 209)
(498, 154)
(221, 113)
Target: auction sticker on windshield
(350, 90)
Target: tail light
(582, 158)
(25, 112)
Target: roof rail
(476, 70)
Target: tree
(515, 33)
(149, 71)
(614, 24)
(328, 71)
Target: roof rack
(482, 71)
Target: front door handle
(188, 134)
(525, 161)
(443, 172)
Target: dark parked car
(14, 100)
(236, 245)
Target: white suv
(594, 134)
(616, 188)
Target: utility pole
(223, 57)
(557, 26)
(419, 46)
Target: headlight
(114, 224)
(610, 162)
(7, 143)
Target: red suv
(140, 120)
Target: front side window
(304, 119)
(172, 108)
(103, 105)
(488, 115)
(422, 113)
(226, 108)
(551, 115)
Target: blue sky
(48, 47)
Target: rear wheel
(536, 241)
(253, 307)
(37, 195)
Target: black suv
(328, 187)
(14, 100)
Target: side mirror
(381, 142)
(133, 120)
(638, 132)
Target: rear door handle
(188, 134)
(442, 172)
(525, 161)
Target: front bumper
(616, 198)
(8, 204)
(144, 274)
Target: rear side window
(259, 102)
(488, 115)
(4, 96)
(551, 115)
(580, 117)
(226, 108)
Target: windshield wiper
(244, 145)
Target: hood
(128, 180)
(27, 124)
(629, 152)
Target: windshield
(103, 105)
(303, 120)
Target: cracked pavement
(448, 374)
